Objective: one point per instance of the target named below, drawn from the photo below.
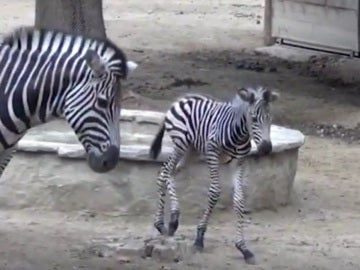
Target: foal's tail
(156, 145)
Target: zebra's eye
(99, 76)
(102, 103)
(104, 146)
(254, 118)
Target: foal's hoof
(160, 228)
(173, 226)
(199, 245)
(251, 261)
(172, 229)
(199, 240)
(249, 257)
(174, 223)
(247, 211)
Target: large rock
(159, 248)
(49, 172)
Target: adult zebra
(215, 130)
(45, 74)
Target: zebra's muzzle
(264, 148)
(105, 161)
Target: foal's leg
(212, 159)
(239, 207)
(5, 158)
(190, 155)
(166, 182)
(182, 162)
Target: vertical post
(268, 13)
(76, 16)
(358, 28)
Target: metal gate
(327, 25)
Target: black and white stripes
(214, 130)
(46, 74)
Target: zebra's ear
(270, 96)
(94, 62)
(131, 65)
(246, 95)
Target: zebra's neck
(53, 84)
(240, 111)
(33, 88)
(239, 127)
(241, 122)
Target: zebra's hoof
(247, 211)
(199, 241)
(251, 261)
(199, 244)
(160, 228)
(172, 228)
(174, 223)
(249, 257)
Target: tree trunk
(268, 14)
(76, 16)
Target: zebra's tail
(156, 145)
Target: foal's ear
(93, 60)
(246, 95)
(131, 66)
(270, 96)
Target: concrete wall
(49, 172)
(332, 24)
(45, 181)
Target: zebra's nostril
(265, 148)
(104, 162)
(111, 157)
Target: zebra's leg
(239, 208)
(212, 158)
(244, 185)
(166, 182)
(189, 156)
(159, 216)
(182, 162)
(5, 158)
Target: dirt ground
(201, 46)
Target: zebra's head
(82, 84)
(258, 115)
(92, 108)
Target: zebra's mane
(55, 41)
(258, 93)
(238, 104)
(199, 96)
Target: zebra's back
(191, 119)
(55, 42)
(21, 83)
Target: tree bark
(76, 16)
(268, 17)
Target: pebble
(350, 135)
(123, 259)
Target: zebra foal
(215, 130)
(46, 74)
